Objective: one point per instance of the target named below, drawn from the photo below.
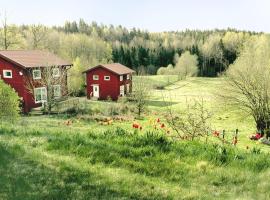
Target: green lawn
(41, 157)
(159, 80)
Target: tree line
(94, 43)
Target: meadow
(70, 156)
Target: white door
(95, 90)
(122, 90)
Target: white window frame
(5, 71)
(128, 76)
(58, 95)
(121, 77)
(128, 88)
(57, 74)
(107, 78)
(38, 77)
(43, 94)
(95, 77)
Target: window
(40, 94)
(57, 91)
(121, 78)
(128, 88)
(56, 72)
(128, 77)
(107, 78)
(7, 73)
(95, 77)
(36, 74)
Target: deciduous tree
(248, 81)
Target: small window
(7, 73)
(128, 88)
(107, 78)
(128, 77)
(40, 94)
(56, 72)
(95, 77)
(56, 91)
(37, 74)
(121, 78)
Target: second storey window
(95, 77)
(107, 78)
(56, 72)
(7, 73)
(36, 74)
(121, 78)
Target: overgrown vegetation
(115, 163)
(9, 103)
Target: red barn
(108, 81)
(22, 69)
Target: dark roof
(114, 67)
(33, 58)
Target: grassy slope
(52, 163)
(41, 158)
(224, 117)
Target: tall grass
(42, 165)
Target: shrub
(192, 122)
(9, 102)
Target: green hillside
(74, 157)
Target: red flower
(158, 120)
(216, 133)
(258, 136)
(135, 125)
(162, 126)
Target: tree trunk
(263, 127)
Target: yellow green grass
(43, 158)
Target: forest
(93, 43)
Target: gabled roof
(116, 68)
(33, 58)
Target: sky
(151, 15)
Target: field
(43, 157)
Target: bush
(9, 102)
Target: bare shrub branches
(192, 122)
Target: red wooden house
(22, 69)
(108, 81)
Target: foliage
(10, 36)
(36, 37)
(248, 81)
(9, 103)
(94, 44)
(186, 65)
(169, 70)
(76, 78)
